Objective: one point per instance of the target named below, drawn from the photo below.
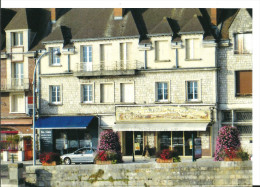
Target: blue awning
(63, 122)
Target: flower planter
(99, 162)
(232, 159)
(159, 160)
(53, 163)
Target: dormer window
(17, 38)
(192, 49)
(243, 43)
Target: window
(18, 103)
(162, 91)
(192, 49)
(125, 51)
(243, 83)
(86, 58)
(105, 57)
(192, 90)
(243, 43)
(87, 93)
(17, 38)
(55, 94)
(54, 59)
(161, 51)
(86, 53)
(107, 93)
(127, 92)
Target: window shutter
(248, 43)
(244, 83)
(187, 49)
(196, 48)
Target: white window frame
(56, 94)
(164, 99)
(88, 92)
(243, 46)
(193, 90)
(54, 59)
(11, 100)
(17, 39)
(87, 56)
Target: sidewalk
(126, 159)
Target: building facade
(144, 74)
(235, 75)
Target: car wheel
(67, 161)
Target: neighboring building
(21, 31)
(150, 74)
(235, 74)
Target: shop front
(65, 134)
(157, 128)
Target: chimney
(213, 16)
(53, 15)
(118, 13)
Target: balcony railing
(15, 84)
(107, 66)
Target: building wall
(229, 63)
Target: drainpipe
(145, 59)
(39, 88)
(68, 63)
(177, 59)
(232, 112)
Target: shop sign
(161, 114)
(137, 146)
(46, 140)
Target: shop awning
(63, 122)
(161, 126)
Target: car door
(77, 156)
(89, 155)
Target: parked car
(82, 155)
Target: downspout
(145, 59)
(39, 88)
(177, 58)
(68, 63)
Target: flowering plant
(166, 154)
(109, 147)
(50, 157)
(227, 139)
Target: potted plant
(167, 156)
(50, 159)
(109, 148)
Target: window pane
(21, 38)
(84, 54)
(90, 53)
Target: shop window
(54, 58)
(87, 93)
(162, 51)
(245, 130)
(17, 38)
(192, 90)
(226, 116)
(243, 116)
(55, 92)
(127, 92)
(18, 103)
(243, 43)
(243, 83)
(162, 92)
(106, 93)
(192, 49)
(165, 140)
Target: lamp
(56, 52)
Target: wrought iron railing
(15, 84)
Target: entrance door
(177, 142)
(28, 154)
(138, 143)
(128, 143)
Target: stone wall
(146, 174)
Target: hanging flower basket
(100, 162)
(159, 160)
(53, 163)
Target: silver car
(82, 155)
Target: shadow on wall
(43, 178)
